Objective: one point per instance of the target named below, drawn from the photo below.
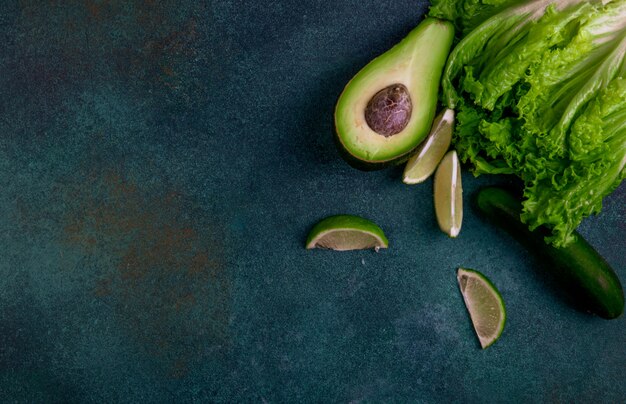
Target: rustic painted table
(161, 163)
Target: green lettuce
(540, 92)
(468, 14)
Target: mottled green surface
(161, 163)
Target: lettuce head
(540, 92)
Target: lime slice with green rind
(428, 155)
(448, 195)
(346, 232)
(484, 304)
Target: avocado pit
(389, 110)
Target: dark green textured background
(160, 165)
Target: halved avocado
(386, 110)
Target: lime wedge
(484, 304)
(424, 162)
(346, 232)
(449, 195)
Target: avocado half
(386, 110)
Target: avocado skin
(367, 165)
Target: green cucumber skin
(578, 267)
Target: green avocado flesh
(415, 66)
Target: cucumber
(578, 268)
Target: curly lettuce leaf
(593, 169)
(467, 14)
(539, 90)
